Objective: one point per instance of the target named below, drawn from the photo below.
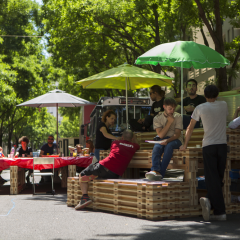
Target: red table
(58, 162)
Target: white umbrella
(56, 98)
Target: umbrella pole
(57, 128)
(126, 102)
(182, 91)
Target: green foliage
(69, 128)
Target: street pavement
(25, 216)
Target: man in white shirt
(213, 115)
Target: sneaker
(154, 176)
(206, 208)
(85, 201)
(222, 217)
(87, 178)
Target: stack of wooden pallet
(17, 179)
(233, 139)
(141, 198)
(196, 138)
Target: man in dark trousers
(143, 124)
(191, 102)
(213, 114)
(111, 167)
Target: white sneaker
(222, 217)
(154, 176)
(206, 208)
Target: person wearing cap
(190, 102)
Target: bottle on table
(54, 151)
(12, 152)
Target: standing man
(47, 149)
(191, 102)
(157, 96)
(213, 114)
(168, 125)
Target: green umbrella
(184, 54)
(125, 77)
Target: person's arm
(188, 134)
(141, 120)
(175, 136)
(106, 134)
(236, 113)
(161, 132)
(234, 124)
(41, 153)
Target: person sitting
(47, 149)
(104, 135)
(168, 126)
(24, 151)
(111, 167)
(235, 123)
(79, 148)
(190, 103)
(90, 146)
(2, 181)
(157, 96)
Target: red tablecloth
(58, 162)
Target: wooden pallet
(17, 180)
(145, 199)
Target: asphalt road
(48, 217)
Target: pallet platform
(141, 198)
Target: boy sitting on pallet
(111, 167)
(168, 125)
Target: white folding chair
(43, 160)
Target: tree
(212, 14)
(25, 69)
(87, 37)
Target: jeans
(158, 150)
(97, 153)
(214, 158)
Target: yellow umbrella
(125, 77)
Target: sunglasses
(50, 138)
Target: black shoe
(42, 180)
(2, 180)
(85, 201)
